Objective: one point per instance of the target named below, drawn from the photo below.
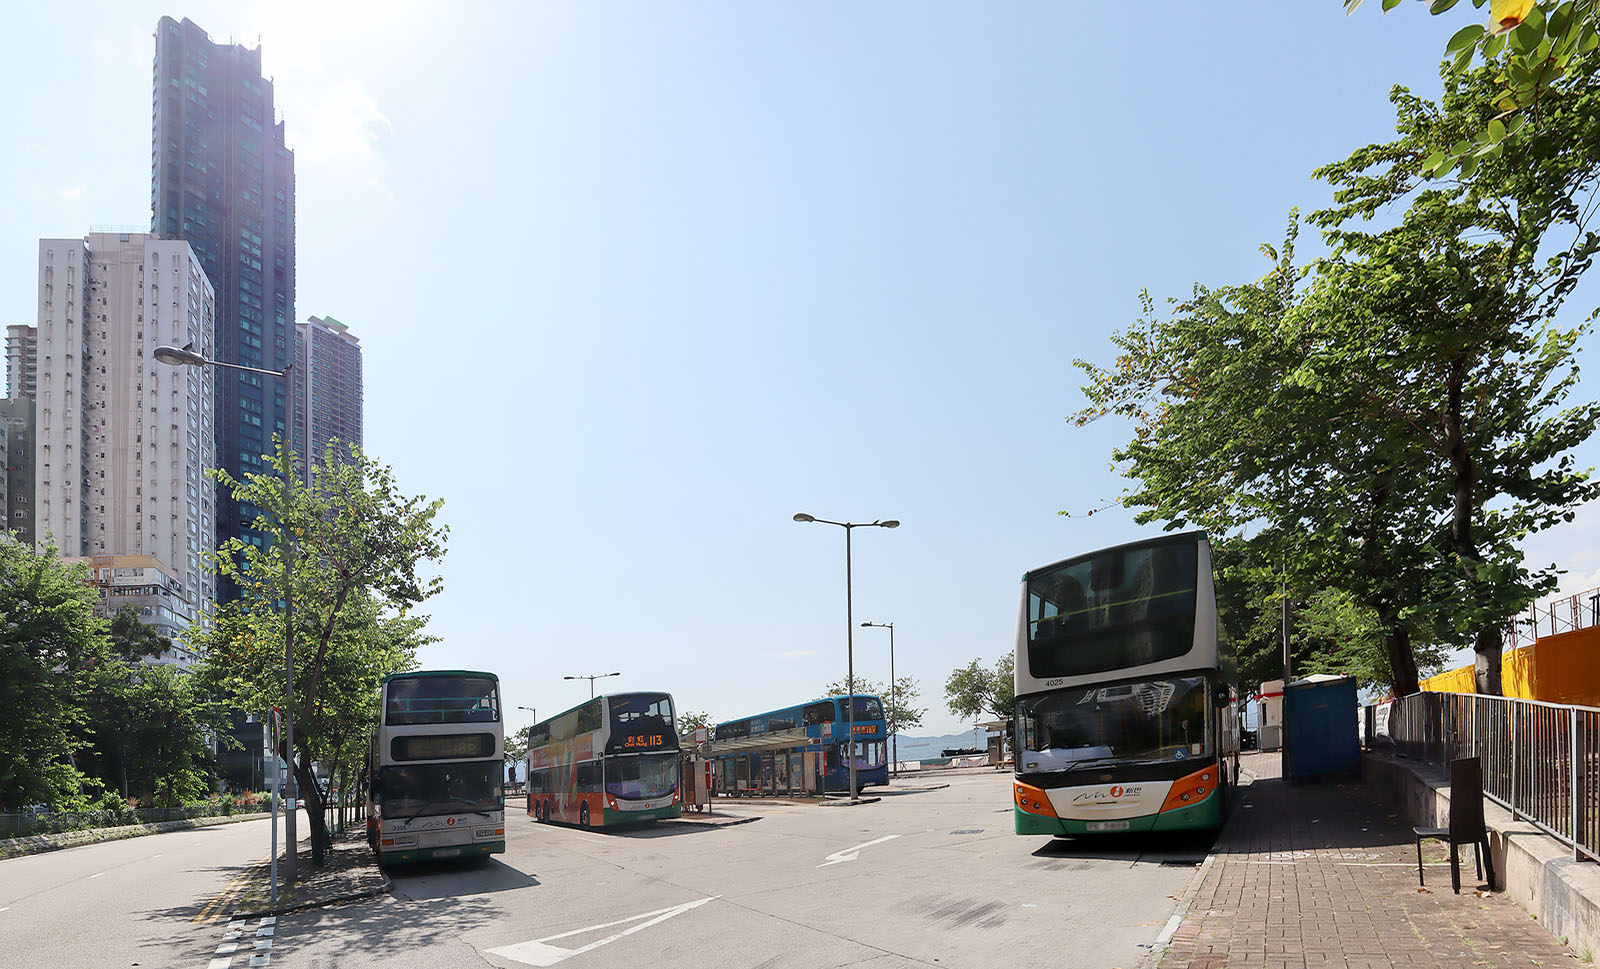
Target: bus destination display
(443, 747)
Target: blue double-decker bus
(803, 749)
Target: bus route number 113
(648, 740)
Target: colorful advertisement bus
(612, 760)
(1126, 715)
(802, 749)
(436, 767)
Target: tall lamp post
(893, 709)
(849, 636)
(591, 679)
(187, 357)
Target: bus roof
(820, 699)
(1171, 538)
(605, 696)
(422, 674)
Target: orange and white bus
(1126, 698)
(612, 760)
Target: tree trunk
(316, 817)
(1402, 664)
(1486, 663)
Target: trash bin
(1319, 719)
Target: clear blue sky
(637, 282)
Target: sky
(635, 283)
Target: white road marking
(6, 908)
(1166, 933)
(260, 961)
(97, 874)
(538, 953)
(850, 854)
(265, 932)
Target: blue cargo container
(1319, 719)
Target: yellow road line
(214, 908)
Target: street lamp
(849, 635)
(591, 679)
(187, 357)
(530, 710)
(892, 708)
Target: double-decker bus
(436, 767)
(1126, 711)
(803, 748)
(612, 760)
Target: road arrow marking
(850, 854)
(539, 953)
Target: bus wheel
(546, 817)
(583, 815)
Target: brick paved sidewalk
(1324, 875)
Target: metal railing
(1541, 761)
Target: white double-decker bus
(1126, 713)
(436, 768)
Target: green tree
(899, 710)
(363, 547)
(50, 644)
(132, 638)
(975, 690)
(1396, 421)
(1537, 49)
(691, 720)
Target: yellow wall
(1559, 669)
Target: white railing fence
(1541, 761)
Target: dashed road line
(97, 874)
(260, 949)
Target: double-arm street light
(849, 636)
(591, 679)
(187, 357)
(892, 708)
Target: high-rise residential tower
(16, 467)
(327, 387)
(22, 361)
(124, 442)
(223, 179)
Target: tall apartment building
(16, 467)
(22, 361)
(156, 593)
(223, 180)
(125, 442)
(327, 369)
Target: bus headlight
(1033, 800)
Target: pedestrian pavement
(1314, 875)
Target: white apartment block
(124, 441)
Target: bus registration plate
(453, 852)
(1107, 825)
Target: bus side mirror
(1221, 700)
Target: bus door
(742, 773)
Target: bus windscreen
(417, 789)
(1155, 721)
(442, 699)
(1116, 610)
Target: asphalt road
(932, 878)
(920, 878)
(139, 902)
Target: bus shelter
(780, 762)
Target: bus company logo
(1113, 793)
